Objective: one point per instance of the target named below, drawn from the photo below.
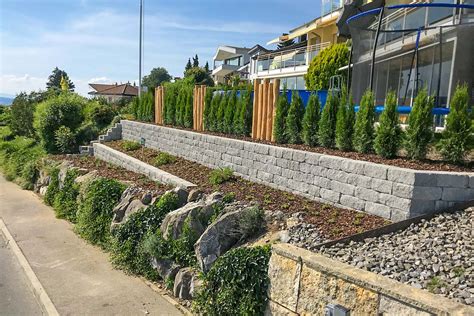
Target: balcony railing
(289, 58)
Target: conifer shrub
(216, 100)
(144, 107)
(345, 119)
(94, 215)
(169, 106)
(388, 134)
(419, 132)
(236, 120)
(188, 110)
(207, 108)
(127, 239)
(236, 284)
(294, 120)
(327, 123)
(65, 200)
(229, 113)
(311, 121)
(246, 112)
(180, 105)
(220, 114)
(279, 126)
(455, 137)
(364, 126)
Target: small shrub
(163, 159)
(99, 114)
(127, 239)
(21, 112)
(62, 110)
(188, 111)
(129, 145)
(420, 126)
(53, 187)
(229, 113)
(236, 284)
(65, 140)
(86, 133)
(345, 122)
(207, 108)
(243, 115)
(327, 124)
(143, 106)
(212, 124)
(364, 126)
(95, 213)
(65, 200)
(325, 65)
(455, 137)
(311, 121)
(229, 197)
(252, 222)
(293, 123)
(279, 126)
(220, 116)
(221, 175)
(389, 133)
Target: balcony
(287, 61)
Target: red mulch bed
(333, 222)
(433, 163)
(111, 171)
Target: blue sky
(96, 40)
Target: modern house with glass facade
(290, 64)
(419, 45)
(227, 62)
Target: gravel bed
(436, 255)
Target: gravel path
(437, 255)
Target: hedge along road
(78, 277)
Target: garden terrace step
(123, 160)
(384, 190)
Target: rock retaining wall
(120, 159)
(391, 192)
(303, 283)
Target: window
(293, 83)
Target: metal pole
(349, 69)
(440, 67)
(140, 51)
(417, 78)
(372, 71)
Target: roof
(257, 49)
(125, 89)
(226, 52)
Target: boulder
(182, 195)
(123, 207)
(198, 213)
(42, 190)
(63, 169)
(182, 283)
(87, 177)
(219, 237)
(195, 195)
(196, 285)
(166, 269)
(147, 198)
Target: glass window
(300, 83)
(291, 83)
(436, 14)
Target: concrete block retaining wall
(118, 158)
(391, 192)
(303, 283)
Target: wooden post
(199, 118)
(255, 108)
(259, 111)
(268, 133)
(194, 107)
(276, 94)
(203, 94)
(263, 126)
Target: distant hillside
(6, 101)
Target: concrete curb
(40, 293)
(167, 297)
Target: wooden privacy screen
(198, 107)
(159, 101)
(264, 108)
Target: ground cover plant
(221, 175)
(269, 199)
(65, 200)
(129, 145)
(163, 159)
(236, 284)
(94, 215)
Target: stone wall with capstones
(390, 192)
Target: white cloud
(13, 84)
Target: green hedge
(65, 200)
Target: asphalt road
(16, 298)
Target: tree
(188, 66)
(325, 65)
(156, 77)
(286, 43)
(200, 76)
(420, 126)
(311, 121)
(455, 137)
(64, 85)
(54, 80)
(388, 134)
(207, 107)
(345, 122)
(220, 114)
(364, 126)
(294, 119)
(196, 61)
(206, 67)
(327, 124)
(188, 112)
(280, 118)
(229, 112)
(22, 111)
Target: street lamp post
(140, 51)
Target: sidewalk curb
(40, 293)
(167, 297)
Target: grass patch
(163, 159)
(129, 145)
